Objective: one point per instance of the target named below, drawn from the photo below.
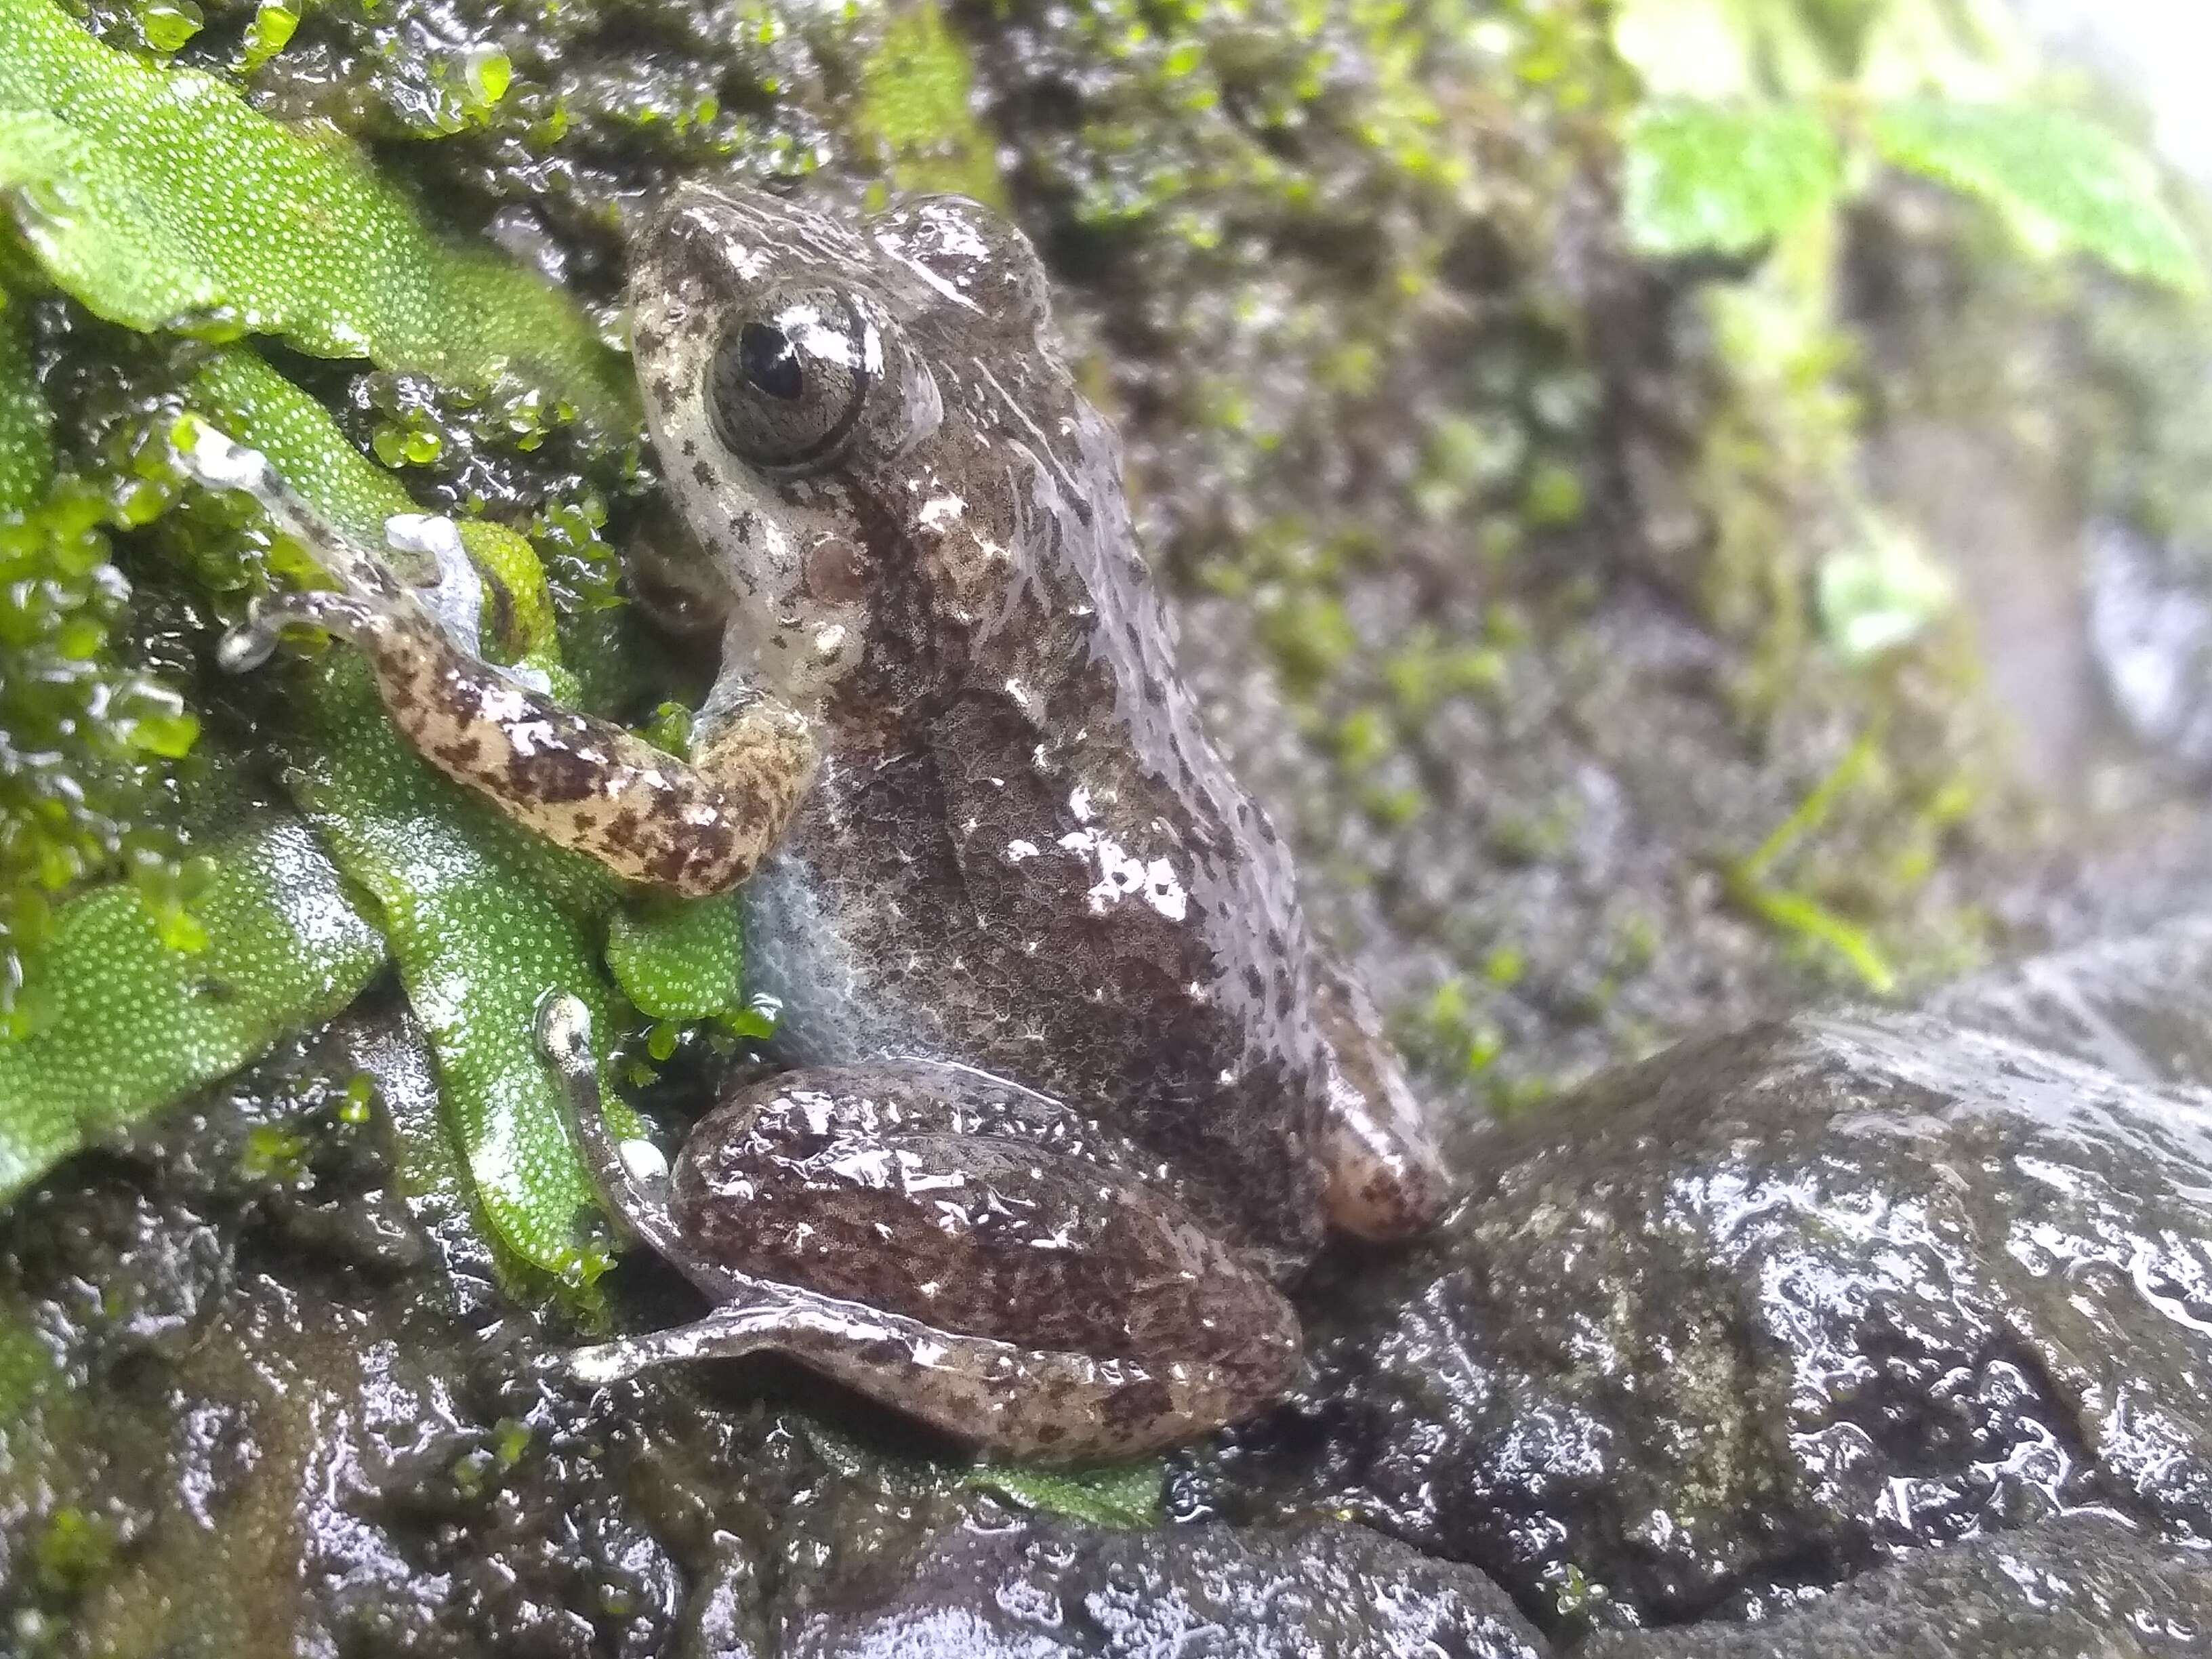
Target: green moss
(89, 740)
(916, 107)
(75, 1550)
(1798, 914)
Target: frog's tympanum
(1073, 1092)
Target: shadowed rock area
(2077, 1586)
(1889, 1332)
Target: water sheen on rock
(1749, 1318)
(1045, 1589)
(2082, 1586)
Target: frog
(1071, 1098)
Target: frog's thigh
(1386, 1177)
(1012, 1258)
(1015, 1402)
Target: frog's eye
(787, 384)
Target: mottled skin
(1075, 1093)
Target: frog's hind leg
(630, 1177)
(944, 1242)
(1026, 1404)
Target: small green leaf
(1708, 178)
(274, 22)
(134, 1024)
(1105, 1495)
(1881, 593)
(679, 961)
(2064, 183)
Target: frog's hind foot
(629, 1177)
(1029, 1404)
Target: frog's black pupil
(769, 361)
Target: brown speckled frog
(1072, 1091)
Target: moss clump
(133, 1018)
(161, 200)
(86, 740)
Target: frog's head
(825, 399)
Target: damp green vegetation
(1779, 136)
(134, 1017)
(1124, 1495)
(157, 199)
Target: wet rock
(231, 1425)
(2139, 1007)
(2150, 634)
(1766, 1310)
(2082, 1586)
(1041, 1589)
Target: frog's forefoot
(585, 784)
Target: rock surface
(1046, 1590)
(1880, 1329)
(1766, 1310)
(2072, 1589)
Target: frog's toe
(252, 643)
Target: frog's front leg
(583, 783)
(942, 1241)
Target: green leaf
(134, 1024)
(2064, 183)
(679, 961)
(157, 198)
(27, 451)
(479, 942)
(484, 919)
(1708, 178)
(1105, 1495)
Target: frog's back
(1023, 853)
